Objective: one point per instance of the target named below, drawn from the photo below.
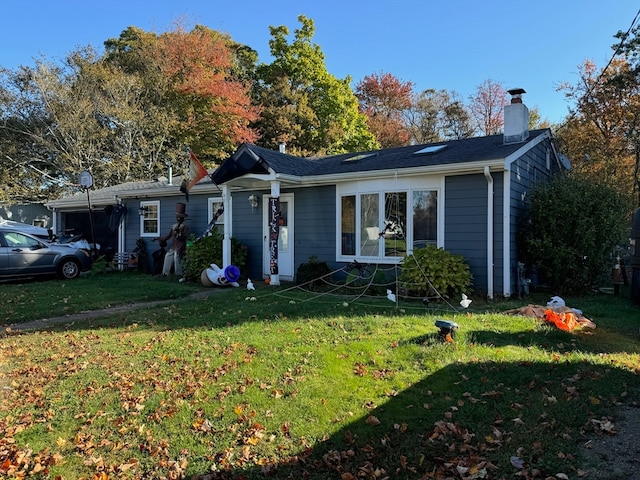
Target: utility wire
(603, 71)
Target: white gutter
(489, 178)
(449, 169)
(318, 180)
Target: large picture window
(386, 225)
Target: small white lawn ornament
(465, 302)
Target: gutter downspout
(506, 234)
(489, 178)
(226, 239)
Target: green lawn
(286, 384)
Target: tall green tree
(297, 89)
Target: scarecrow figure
(178, 234)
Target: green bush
(435, 272)
(207, 250)
(569, 231)
(310, 272)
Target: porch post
(274, 232)
(226, 239)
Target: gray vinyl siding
(465, 223)
(498, 233)
(466, 226)
(315, 225)
(525, 172)
(197, 221)
(247, 229)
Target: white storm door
(285, 237)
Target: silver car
(24, 255)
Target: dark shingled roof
(467, 150)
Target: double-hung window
(386, 224)
(216, 207)
(150, 219)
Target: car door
(4, 252)
(26, 255)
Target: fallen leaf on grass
(371, 420)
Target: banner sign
(274, 232)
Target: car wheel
(69, 269)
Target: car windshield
(16, 239)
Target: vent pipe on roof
(282, 147)
(516, 118)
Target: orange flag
(196, 173)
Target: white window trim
(408, 185)
(146, 203)
(211, 211)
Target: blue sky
(441, 44)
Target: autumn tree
(202, 79)
(384, 99)
(486, 107)
(437, 115)
(629, 81)
(316, 112)
(124, 115)
(213, 105)
(600, 135)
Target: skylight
(430, 149)
(355, 158)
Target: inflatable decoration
(215, 276)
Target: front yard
(282, 384)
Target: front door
(285, 237)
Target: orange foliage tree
(384, 99)
(211, 99)
(600, 135)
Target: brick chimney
(516, 118)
